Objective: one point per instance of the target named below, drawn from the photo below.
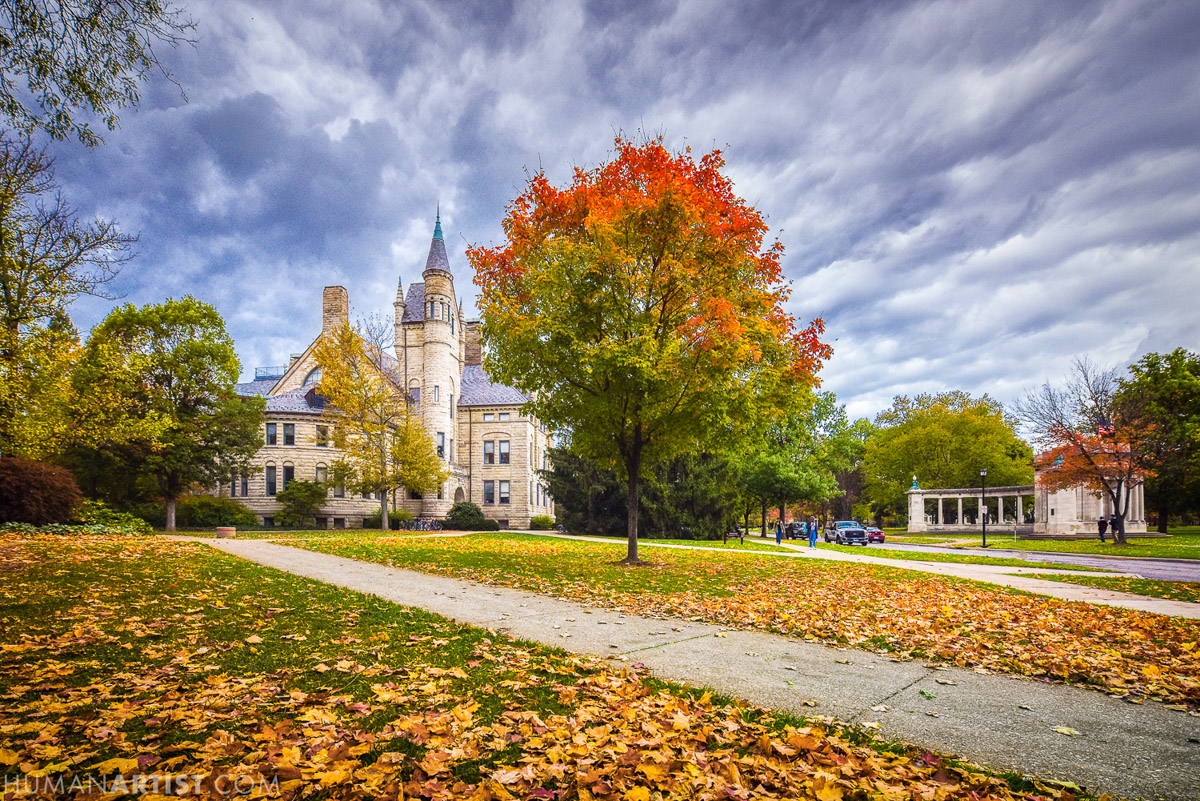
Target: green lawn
(1173, 590)
(904, 612)
(752, 543)
(126, 657)
(922, 539)
(1182, 544)
(931, 556)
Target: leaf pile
(130, 658)
(911, 614)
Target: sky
(971, 194)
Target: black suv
(846, 532)
(795, 531)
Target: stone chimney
(335, 307)
(473, 353)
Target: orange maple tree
(639, 310)
(1089, 439)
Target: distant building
(493, 451)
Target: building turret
(398, 320)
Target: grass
(311, 533)
(752, 543)
(130, 656)
(1182, 544)
(1172, 590)
(914, 614)
(922, 539)
(932, 556)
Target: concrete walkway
(993, 574)
(1007, 723)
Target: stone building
(492, 449)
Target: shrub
(398, 517)
(301, 501)
(464, 516)
(206, 511)
(487, 525)
(541, 523)
(372, 520)
(97, 513)
(36, 493)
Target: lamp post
(983, 510)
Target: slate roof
(259, 387)
(478, 390)
(436, 260)
(414, 305)
(297, 401)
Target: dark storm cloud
(970, 193)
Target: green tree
(796, 457)
(300, 502)
(184, 367)
(383, 443)
(47, 259)
(638, 309)
(944, 440)
(1162, 396)
(80, 55)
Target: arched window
(313, 377)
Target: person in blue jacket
(812, 532)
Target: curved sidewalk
(1007, 723)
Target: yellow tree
(639, 310)
(383, 444)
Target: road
(1160, 569)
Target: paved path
(1138, 751)
(994, 574)
(1160, 569)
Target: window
(451, 325)
(245, 485)
(289, 475)
(289, 433)
(489, 492)
(503, 416)
(488, 417)
(531, 492)
(322, 522)
(233, 488)
(503, 451)
(414, 495)
(439, 492)
(270, 479)
(269, 522)
(339, 522)
(339, 491)
(322, 436)
(270, 433)
(451, 405)
(445, 314)
(437, 393)
(432, 306)
(441, 444)
(503, 492)
(322, 474)
(489, 452)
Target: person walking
(812, 532)
(1102, 524)
(779, 531)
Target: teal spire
(437, 226)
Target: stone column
(958, 521)
(1020, 510)
(940, 519)
(916, 511)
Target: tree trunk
(633, 467)
(170, 514)
(631, 557)
(384, 523)
(764, 520)
(1121, 509)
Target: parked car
(874, 534)
(795, 531)
(846, 532)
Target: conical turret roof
(437, 249)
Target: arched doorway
(459, 496)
